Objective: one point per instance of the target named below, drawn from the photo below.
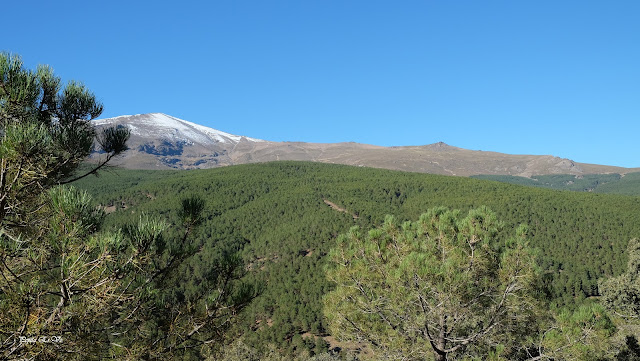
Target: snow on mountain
(159, 125)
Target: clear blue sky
(523, 77)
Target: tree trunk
(440, 355)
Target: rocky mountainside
(160, 141)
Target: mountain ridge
(160, 141)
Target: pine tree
(622, 294)
(69, 290)
(45, 134)
(438, 287)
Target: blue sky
(521, 77)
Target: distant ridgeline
(283, 217)
(628, 184)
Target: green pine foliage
(72, 289)
(581, 334)
(622, 294)
(441, 286)
(284, 217)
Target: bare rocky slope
(160, 141)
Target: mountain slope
(281, 216)
(160, 141)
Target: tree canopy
(46, 133)
(276, 215)
(621, 294)
(68, 288)
(439, 286)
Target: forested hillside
(628, 184)
(283, 218)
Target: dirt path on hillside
(338, 208)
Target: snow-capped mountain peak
(159, 125)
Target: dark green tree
(165, 316)
(69, 290)
(46, 231)
(45, 133)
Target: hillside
(160, 141)
(283, 217)
(628, 184)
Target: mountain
(160, 141)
